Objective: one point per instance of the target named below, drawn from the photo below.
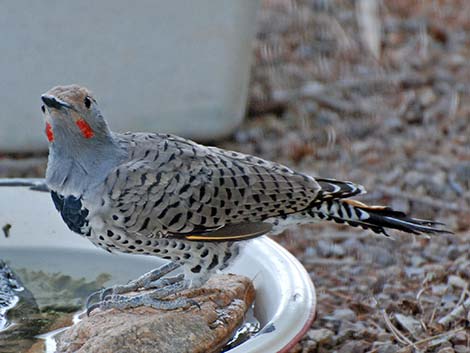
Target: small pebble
(439, 289)
(354, 347)
(344, 314)
(446, 350)
(460, 338)
(309, 346)
(321, 336)
(385, 348)
(384, 336)
(349, 330)
(410, 324)
(328, 249)
(461, 349)
(427, 96)
(453, 252)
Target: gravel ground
(376, 93)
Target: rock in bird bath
(17, 307)
(223, 301)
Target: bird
(197, 206)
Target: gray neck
(75, 167)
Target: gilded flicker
(163, 195)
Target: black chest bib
(72, 211)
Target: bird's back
(176, 186)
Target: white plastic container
(285, 296)
(171, 66)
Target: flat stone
(410, 324)
(384, 348)
(354, 347)
(460, 338)
(321, 336)
(461, 349)
(349, 329)
(446, 350)
(223, 301)
(345, 314)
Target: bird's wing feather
(231, 232)
(176, 186)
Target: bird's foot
(113, 297)
(153, 299)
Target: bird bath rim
(286, 300)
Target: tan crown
(72, 94)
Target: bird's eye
(87, 102)
(43, 108)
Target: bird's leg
(152, 279)
(163, 282)
(145, 281)
(152, 299)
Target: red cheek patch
(86, 130)
(49, 133)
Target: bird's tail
(334, 206)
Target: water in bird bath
(60, 281)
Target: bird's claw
(104, 294)
(90, 298)
(107, 292)
(125, 302)
(156, 286)
(92, 307)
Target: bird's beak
(53, 102)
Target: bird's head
(82, 149)
(72, 115)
